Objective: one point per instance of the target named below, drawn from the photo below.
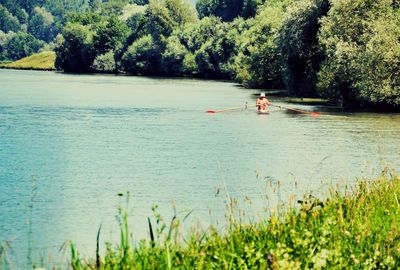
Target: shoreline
(352, 228)
(27, 68)
(336, 232)
(319, 102)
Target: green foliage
(258, 63)
(114, 7)
(205, 49)
(142, 57)
(357, 228)
(216, 55)
(110, 35)
(299, 46)
(361, 42)
(87, 18)
(193, 36)
(134, 22)
(140, 2)
(227, 10)
(42, 19)
(163, 16)
(189, 65)
(104, 63)
(4, 40)
(41, 25)
(347, 50)
(173, 57)
(8, 22)
(131, 10)
(20, 45)
(75, 48)
(159, 20)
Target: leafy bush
(110, 35)
(8, 22)
(298, 43)
(258, 63)
(104, 63)
(174, 56)
(142, 57)
(41, 24)
(74, 49)
(361, 42)
(20, 45)
(226, 10)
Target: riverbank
(39, 61)
(354, 229)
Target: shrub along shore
(353, 229)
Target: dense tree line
(345, 50)
(27, 26)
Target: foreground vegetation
(39, 61)
(353, 229)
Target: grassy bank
(355, 229)
(39, 61)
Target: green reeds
(5, 261)
(353, 229)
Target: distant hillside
(39, 61)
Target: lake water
(69, 144)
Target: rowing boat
(262, 111)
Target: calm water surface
(69, 144)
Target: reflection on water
(69, 144)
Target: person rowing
(262, 103)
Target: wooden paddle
(297, 110)
(228, 109)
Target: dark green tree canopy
(22, 45)
(227, 10)
(75, 50)
(110, 35)
(298, 42)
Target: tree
(142, 57)
(298, 42)
(114, 7)
(204, 49)
(110, 35)
(140, 2)
(227, 10)
(215, 56)
(41, 24)
(74, 49)
(361, 42)
(258, 63)
(4, 40)
(8, 22)
(87, 18)
(159, 20)
(163, 16)
(21, 45)
(173, 57)
(104, 63)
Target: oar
(228, 109)
(297, 110)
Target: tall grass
(358, 228)
(5, 261)
(39, 61)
